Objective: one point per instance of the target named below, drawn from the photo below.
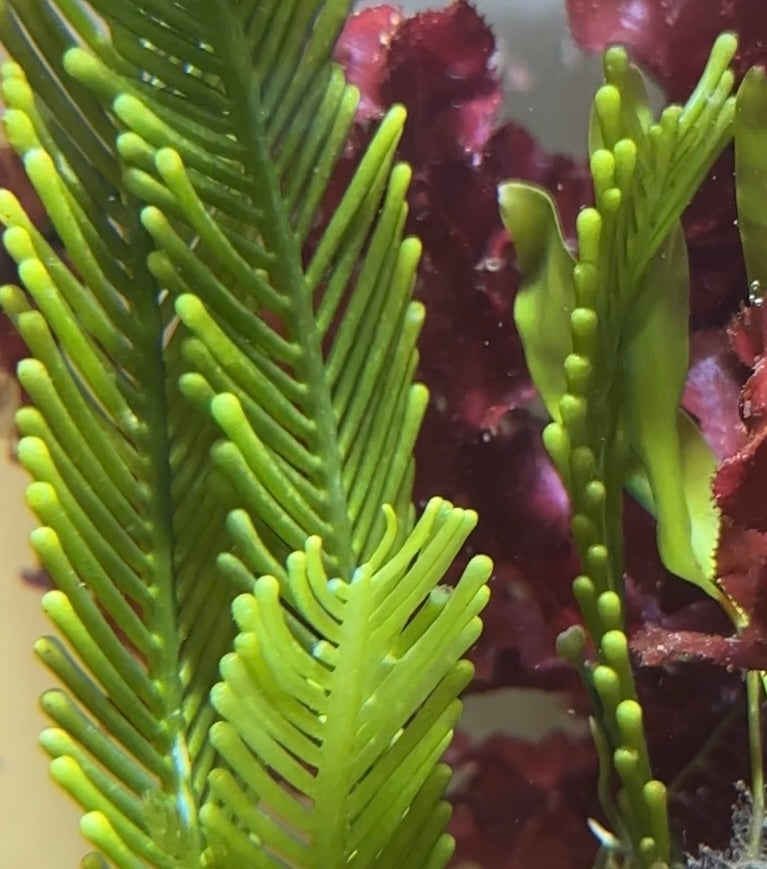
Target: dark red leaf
(656, 646)
(717, 271)
(712, 391)
(363, 51)
(521, 804)
(748, 334)
(671, 39)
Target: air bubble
(491, 264)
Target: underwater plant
(483, 431)
(260, 661)
(260, 638)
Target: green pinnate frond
(334, 733)
(318, 348)
(624, 296)
(184, 154)
(111, 456)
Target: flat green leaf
(678, 462)
(545, 299)
(698, 467)
(751, 176)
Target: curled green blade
(545, 298)
(751, 176)
(678, 462)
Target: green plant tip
(130, 110)
(602, 169)
(573, 409)
(583, 587)
(570, 644)
(594, 497)
(584, 325)
(41, 496)
(725, 48)
(626, 762)
(79, 63)
(610, 200)
(625, 152)
(556, 441)
(588, 225)
(196, 389)
(244, 610)
(39, 166)
(583, 465)
(654, 792)
(13, 302)
(597, 557)
(10, 69)
(583, 530)
(266, 589)
(153, 220)
(18, 94)
(19, 131)
(628, 716)
(32, 272)
(616, 62)
(610, 610)
(586, 283)
(615, 648)
(134, 148)
(43, 539)
(578, 371)
(169, 163)
(607, 685)
(227, 411)
(18, 243)
(190, 309)
(607, 104)
(31, 449)
(648, 849)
